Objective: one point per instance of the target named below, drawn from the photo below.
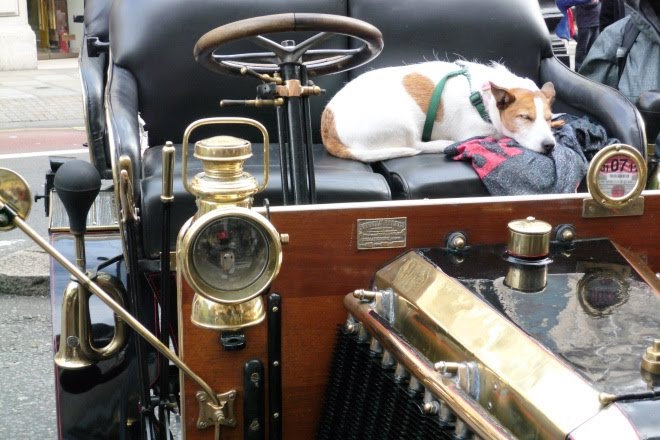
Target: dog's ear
(502, 96)
(548, 90)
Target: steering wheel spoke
(268, 44)
(247, 58)
(317, 61)
(329, 54)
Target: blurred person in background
(587, 19)
(626, 55)
(611, 11)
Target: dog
(381, 114)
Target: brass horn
(76, 348)
(77, 183)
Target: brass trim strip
(481, 423)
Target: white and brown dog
(381, 114)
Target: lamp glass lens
(230, 254)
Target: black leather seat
(153, 72)
(93, 63)
(511, 32)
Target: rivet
(276, 364)
(276, 415)
(254, 425)
(275, 309)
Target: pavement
(47, 97)
(40, 112)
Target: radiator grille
(364, 401)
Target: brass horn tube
(479, 421)
(119, 311)
(76, 349)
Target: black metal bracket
(253, 400)
(274, 315)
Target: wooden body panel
(322, 264)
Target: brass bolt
(431, 408)
(284, 238)
(351, 328)
(606, 398)
(458, 242)
(567, 235)
(364, 295)
(447, 367)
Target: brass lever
(252, 102)
(261, 76)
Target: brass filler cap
(529, 238)
(223, 148)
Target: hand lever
(77, 184)
(252, 102)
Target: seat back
(153, 41)
(511, 31)
(93, 73)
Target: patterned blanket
(509, 169)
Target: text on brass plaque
(381, 233)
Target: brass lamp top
(223, 181)
(223, 148)
(529, 238)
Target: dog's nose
(548, 147)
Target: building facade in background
(38, 29)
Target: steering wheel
(317, 61)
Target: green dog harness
(475, 99)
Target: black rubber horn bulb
(77, 184)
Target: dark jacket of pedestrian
(610, 12)
(641, 72)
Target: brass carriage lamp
(227, 253)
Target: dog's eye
(525, 117)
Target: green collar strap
(475, 99)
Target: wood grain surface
(322, 264)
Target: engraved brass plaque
(381, 233)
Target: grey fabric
(642, 71)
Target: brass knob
(529, 238)
(651, 358)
